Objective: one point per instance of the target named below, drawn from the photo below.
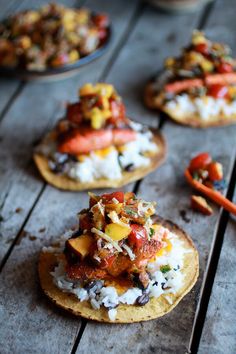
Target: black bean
(95, 284)
(60, 158)
(56, 167)
(129, 167)
(143, 299)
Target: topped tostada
(197, 88)
(96, 145)
(121, 264)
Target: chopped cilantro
(130, 211)
(151, 232)
(165, 268)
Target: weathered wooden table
(32, 212)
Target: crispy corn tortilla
(64, 182)
(155, 308)
(154, 101)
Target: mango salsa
(117, 232)
(81, 245)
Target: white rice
(160, 283)
(206, 107)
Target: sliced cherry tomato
(215, 171)
(218, 91)
(202, 48)
(107, 198)
(74, 113)
(84, 222)
(137, 236)
(200, 162)
(225, 68)
(101, 20)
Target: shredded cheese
(107, 238)
(115, 219)
(129, 251)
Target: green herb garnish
(165, 268)
(151, 232)
(130, 212)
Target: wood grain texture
(219, 331)
(32, 115)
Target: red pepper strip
(211, 193)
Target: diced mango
(104, 152)
(81, 245)
(198, 38)
(121, 148)
(114, 207)
(74, 55)
(165, 249)
(104, 89)
(117, 232)
(206, 65)
(87, 89)
(97, 118)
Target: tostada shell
(155, 308)
(64, 182)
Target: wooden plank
(162, 335)
(219, 331)
(41, 104)
(54, 212)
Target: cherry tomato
(102, 34)
(200, 162)
(218, 91)
(101, 20)
(137, 236)
(215, 171)
(225, 68)
(202, 48)
(74, 113)
(107, 198)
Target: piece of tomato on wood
(215, 171)
(200, 162)
(218, 91)
(137, 236)
(200, 204)
(107, 198)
